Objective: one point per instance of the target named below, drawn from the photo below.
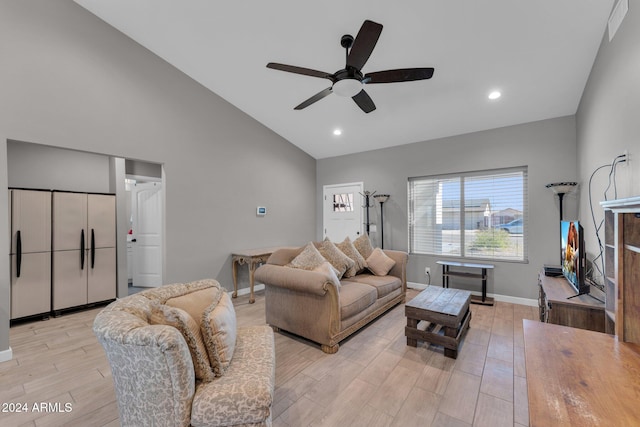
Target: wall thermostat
(261, 211)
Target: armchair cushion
(243, 396)
(181, 320)
(219, 333)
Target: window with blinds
(472, 215)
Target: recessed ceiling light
(337, 132)
(495, 94)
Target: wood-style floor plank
(375, 379)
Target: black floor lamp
(561, 188)
(381, 198)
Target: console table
(253, 258)
(577, 377)
(447, 272)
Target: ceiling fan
(350, 81)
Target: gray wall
(49, 168)
(608, 121)
(71, 81)
(548, 149)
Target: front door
(342, 211)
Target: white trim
(6, 355)
(501, 298)
(246, 291)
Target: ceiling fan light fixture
(347, 88)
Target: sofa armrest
(400, 269)
(294, 279)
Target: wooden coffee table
(435, 309)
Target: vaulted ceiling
(538, 54)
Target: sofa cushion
(219, 333)
(379, 263)
(359, 263)
(383, 284)
(355, 297)
(308, 259)
(161, 314)
(244, 395)
(329, 270)
(335, 256)
(363, 245)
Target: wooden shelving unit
(622, 268)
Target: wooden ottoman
(438, 308)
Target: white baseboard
(6, 355)
(246, 291)
(502, 298)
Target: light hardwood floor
(375, 379)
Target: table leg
(484, 284)
(451, 332)
(252, 269)
(234, 272)
(413, 324)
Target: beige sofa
(308, 304)
(153, 370)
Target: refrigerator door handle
(18, 253)
(82, 250)
(93, 248)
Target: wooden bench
(433, 310)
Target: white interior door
(146, 243)
(342, 212)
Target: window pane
(435, 221)
(494, 213)
(490, 207)
(343, 202)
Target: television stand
(560, 305)
(586, 293)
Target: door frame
(324, 201)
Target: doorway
(144, 234)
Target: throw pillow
(181, 320)
(359, 263)
(379, 263)
(196, 302)
(329, 270)
(308, 259)
(219, 332)
(335, 256)
(363, 245)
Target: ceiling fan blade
(363, 44)
(315, 98)
(300, 70)
(399, 75)
(364, 101)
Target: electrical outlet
(626, 158)
(427, 270)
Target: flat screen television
(573, 255)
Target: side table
(253, 258)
